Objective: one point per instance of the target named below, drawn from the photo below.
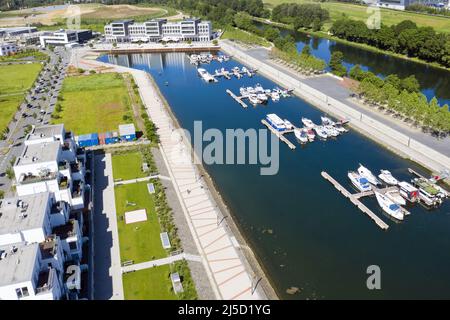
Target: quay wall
(374, 129)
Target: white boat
(320, 132)
(243, 91)
(258, 88)
(301, 135)
(308, 123)
(359, 182)
(340, 128)
(254, 99)
(366, 173)
(310, 133)
(327, 121)
(386, 176)
(389, 206)
(331, 131)
(251, 90)
(288, 124)
(395, 196)
(206, 76)
(408, 191)
(276, 122)
(262, 97)
(275, 96)
(428, 193)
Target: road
(36, 110)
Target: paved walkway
(156, 176)
(107, 271)
(161, 262)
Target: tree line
(402, 97)
(404, 38)
(305, 15)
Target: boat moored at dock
(408, 191)
(366, 173)
(389, 206)
(276, 122)
(301, 135)
(387, 177)
(205, 75)
(361, 183)
(308, 123)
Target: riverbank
(127, 48)
(326, 35)
(230, 265)
(338, 106)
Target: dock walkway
(354, 198)
(238, 99)
(279, 134)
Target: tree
(306, 51)
(271, 33)
(336, 64)
(410, 84)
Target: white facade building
(8, 48)
(158, 30)
(64, 37)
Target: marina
(318, 240)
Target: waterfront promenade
(227, 269)
(326, 93)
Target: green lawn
(127, 166)
(15, 80)
(243, 36)
(138, 241)
(388, 17)
(94, 103)
(148, 284)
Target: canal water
(434, 82)
(304, 232)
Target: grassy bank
(245, 37)
(87, 99)
(360, 12)
(17, 79)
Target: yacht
(310, 133)
(408, 191)
(389, 206)
(301, 135)
(253, 98)
(320, 132)
(395, 196)
(243, 91)
(262, 97)
(308, 123)
(366, 173)
(206, 76)
(288, 124)
(258, 88)
(331, 131)
(340, 128)
(386, 177)
(327, 121)
(275, 96)
(276, 122)
(359, 182)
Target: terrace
(77, 188)
(49, 247)
(31, 178)
(63, 183)
(45, 281)
(68, 230)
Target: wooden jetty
(238, 99)
(279, 134)
(354, 198)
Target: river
(304, 232)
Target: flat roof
(46, 131)
(18, 266)
(123, 21)
(126, 129)
(38, 153)
(23, 213)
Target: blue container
(88, 140)
(110, 138)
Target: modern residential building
(8, 48)
(192, 29)
(64, 37)
(402, 4)
(32, 271)
(16, 31)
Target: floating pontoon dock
(354, 198)
(238, 99)
(280, 134)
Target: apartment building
(64, 37)
(8, 48)
(192, 29)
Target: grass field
(16, 80)
(138, 241)
(127, 166)
(94, 103)
(388, 17)
(245, 37)
(148, 284)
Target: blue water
(320, 242)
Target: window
(22, 292)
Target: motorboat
(331, 131)
(320, 132)
(205, 75)
(288, 124)
(308, 123)
(386, 177)
(340, 128)
(276, 122)
(389, 206)
(395, 196)
(258, 88)
(408, 191)
(327, 121)
(275, 96)
(359, 182)
(301, 135)
(366, 173)
(428, 193)
(243, 91)
(253, 98)
(310, 133)
(262, 97)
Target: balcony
(68, 230)
(63, 183)
(77, 189)
(45, 281)
(31, 178)
(75, 167)
(63, 165)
